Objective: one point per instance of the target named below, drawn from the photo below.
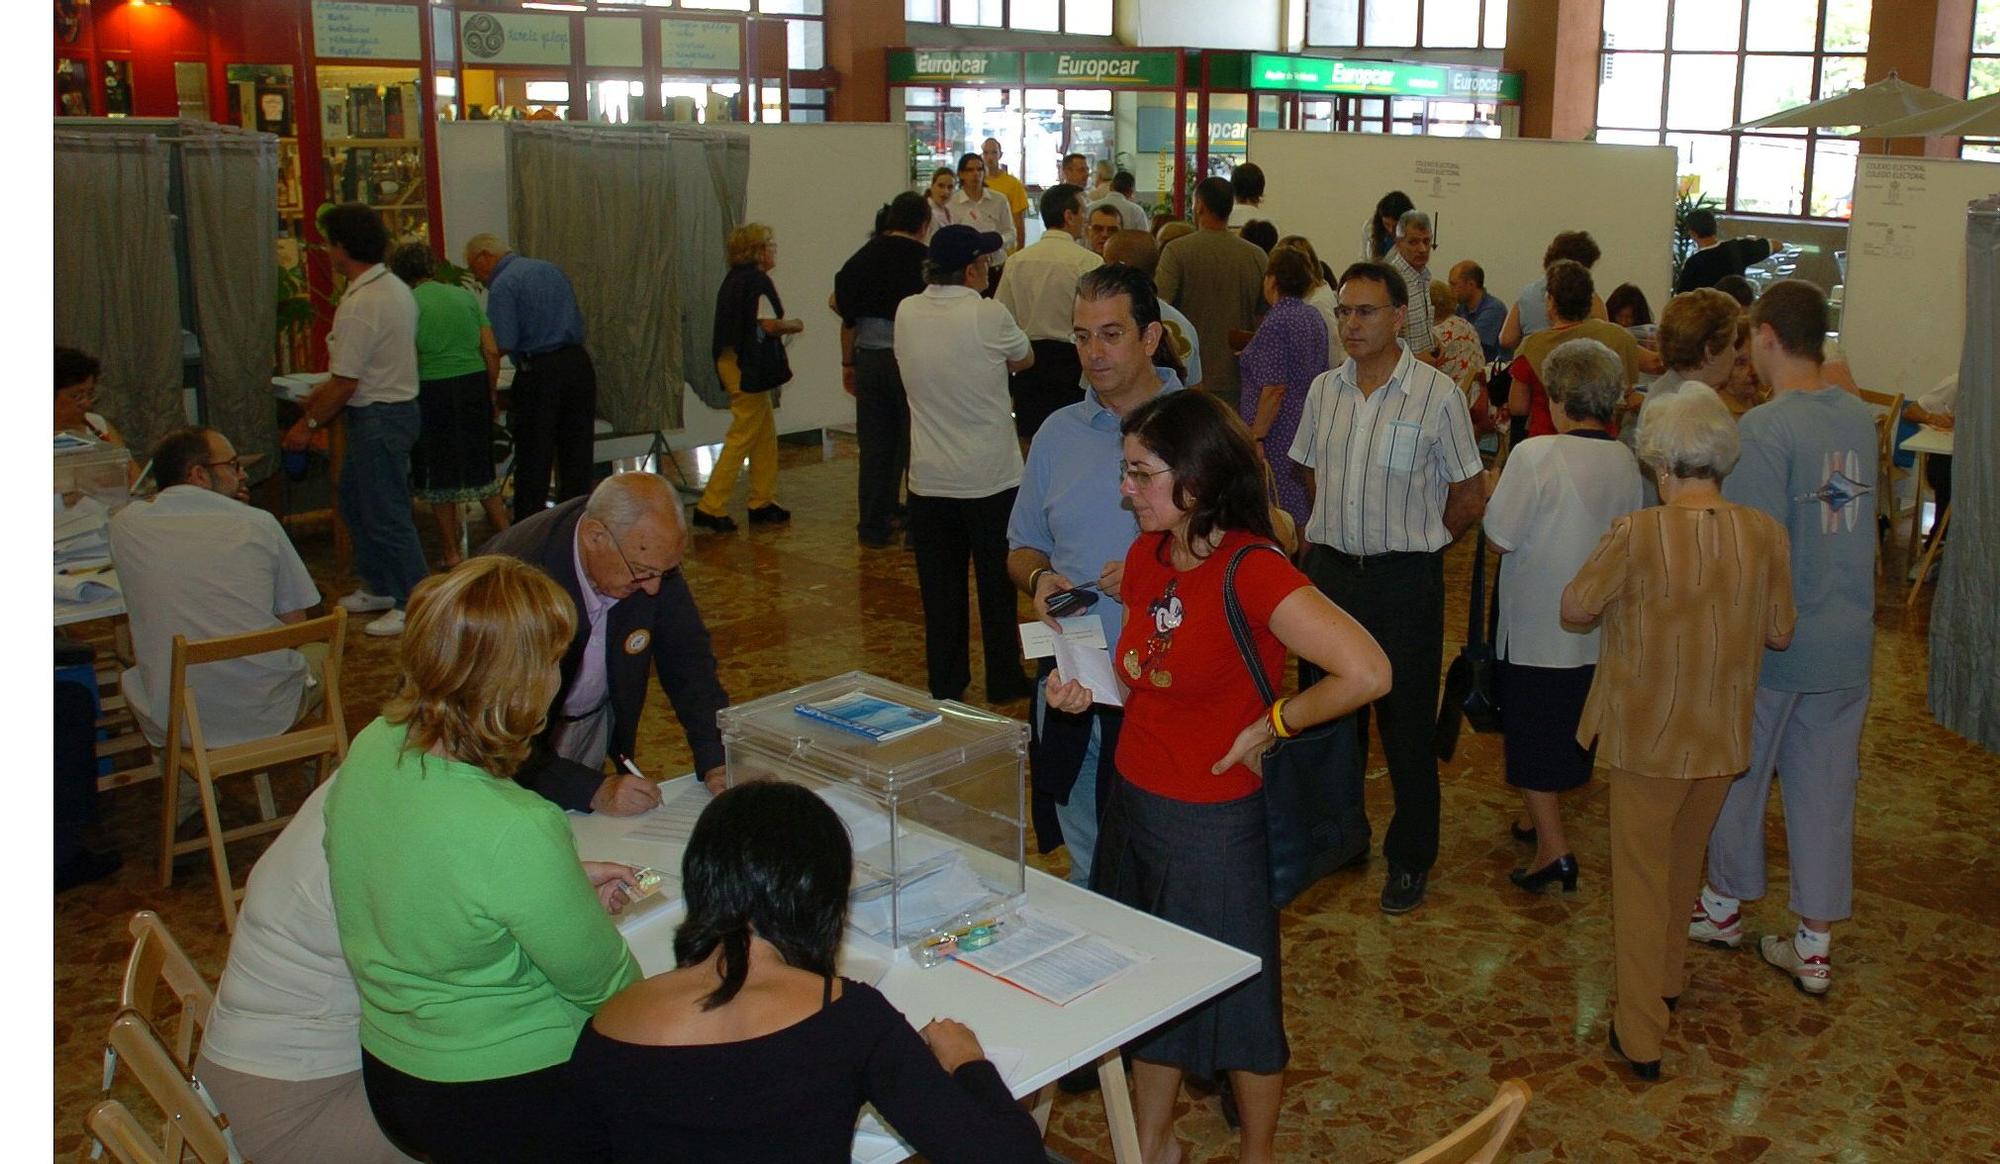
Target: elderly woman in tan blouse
(1689, 594)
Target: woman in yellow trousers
(748, 312)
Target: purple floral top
(1290, 349)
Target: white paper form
(1083, 630)
(1052, 959)
(671, 822)
(1090, 666)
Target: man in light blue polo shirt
(1070, 526)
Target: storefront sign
(953, 67)
(1381, 78)
(700, 44)
(1228, 131)
(1103, 70)
(509, 38)
(369, 32)
(612, 42)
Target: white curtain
(229, 183)
(1965, 622)
(636, 216)
(116, 294)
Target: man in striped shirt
(1391, 463)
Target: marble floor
(1400, 1027)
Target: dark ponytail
(767, 859)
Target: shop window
(1408, 23)
(1035, 15)
(809, 104)
(792, 7)
(720, 5)
(1681, 72)
(1082, 17)
(805, 44)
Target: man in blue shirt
(1070, 526)
(553, 403)
(1486, 314)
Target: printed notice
(1435, 181)
(1051, 958)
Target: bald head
(632, 534)
(1134, 248)
(622, 499)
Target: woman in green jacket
(479, 942)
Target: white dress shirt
(374, 339)
(1383, 461)
(992, 212)
(1040, 287)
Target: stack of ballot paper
(80, 533)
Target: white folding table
(1184, 970)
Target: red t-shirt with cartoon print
(1190, 694)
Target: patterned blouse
(1290, 348)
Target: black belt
(1363, 561)
(530, 357)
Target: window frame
(1988, 146)
(1361, 28)
(1817, 56)
(1007, 19)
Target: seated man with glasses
(199, 560)
(618, 554)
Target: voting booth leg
(1118, 1108)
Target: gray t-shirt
(1809, 460)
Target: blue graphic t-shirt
(1809, 460)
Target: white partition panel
(818, 186)
(1903, 322)
(1497, 203)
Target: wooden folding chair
(158, 959)
(1480, 1139)
(193, 1125)
(113, 1128)
(187, 751)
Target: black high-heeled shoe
(1561, 869)
(1648, 1071)
(1524, 835)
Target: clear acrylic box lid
(901, 767)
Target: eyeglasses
(1140, 478)
(235, 465)
(1363, 313)
(639, 577)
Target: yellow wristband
(1278, 719)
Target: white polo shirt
(952, 348)
(1383, 461)
(1040, 287)
(374, 339)
(193, 562)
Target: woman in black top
(751, 1049)
(748, 346)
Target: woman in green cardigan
(478, 940)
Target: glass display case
(371, 137)
(937, 816)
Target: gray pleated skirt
(1205, 867)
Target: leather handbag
(762, 363)
(1313, 808)
(1470, 694)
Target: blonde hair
(1696, 325)
(480, 657)
(1303, 245)
(747, 242)
(1443, 302)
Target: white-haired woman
(1545, 515)
(1689, 593)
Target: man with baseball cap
(955, 350)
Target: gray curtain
(1965, 622)
(229, 183)
(635, 216)
(115, 288)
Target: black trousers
(882, 428)
(75, 768)
(946, 532)
(520, 1119)
(1398, 598)
(552, 408)
(1052, 382)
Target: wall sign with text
(510, 38)
(365, 32)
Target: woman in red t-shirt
(1184, 836)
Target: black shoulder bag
(1469, 692)
(1312, 781)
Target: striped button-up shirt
(1383, 461)
(1417, 320)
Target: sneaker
(389, 625)
(362, 602)
(1404, 891)
(721, 524)
(772, 514)
(1811, 975)
(1726, 934)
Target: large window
(1081, 17)
(1407, 23)
(1985, 74)
(1683, 71)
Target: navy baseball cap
(958, 245)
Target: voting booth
(937, 815)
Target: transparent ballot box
(93, 468)
(937, 812)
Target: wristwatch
(312, 425)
